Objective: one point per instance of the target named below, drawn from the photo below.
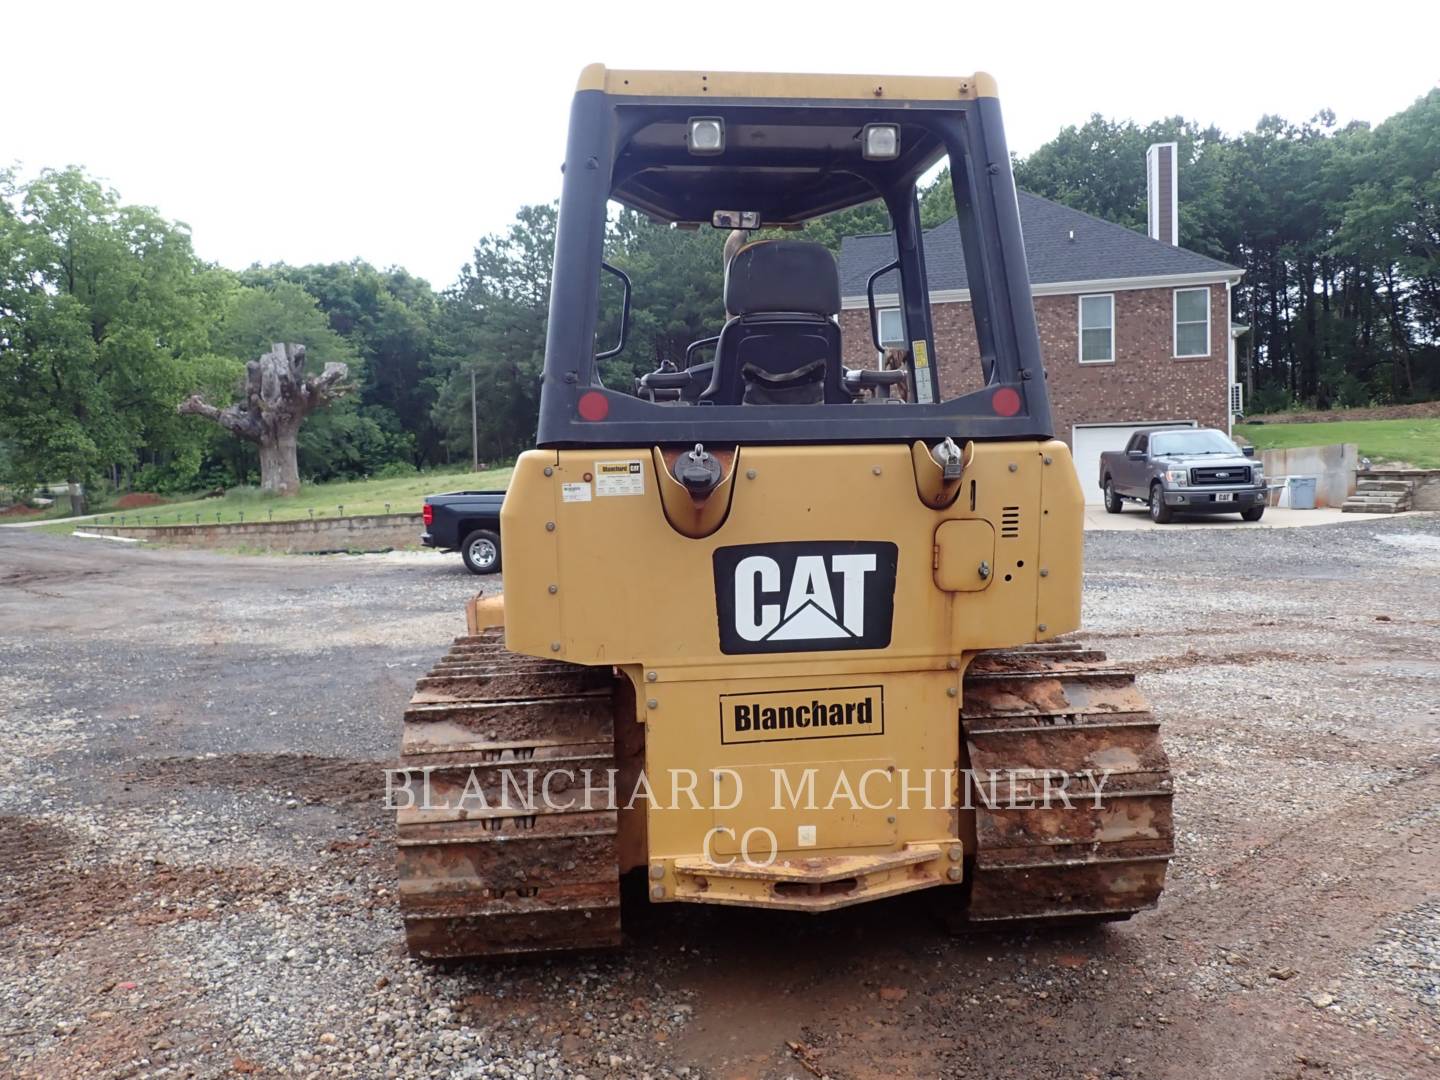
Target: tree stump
(277, 397)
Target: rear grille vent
(1010, 522)
(1233, 474)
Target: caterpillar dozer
(780, 630)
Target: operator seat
(780, 344)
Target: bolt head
(554, 589)
(1049, 460)
(651, 676)
(891, 819)
(956, 852)
(554, 646)
(1043, 628)
(657, 893)
(952, 691)
(549, 526)
(953, 665)
(657, 871)
(1014, 467)
(651, 703)
(876, 470)
(549, 471)
(954, 873)
(750, 474)
(1044, 572)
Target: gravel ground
(196, 879)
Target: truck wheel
(1255, 513)
(481, 552)
(1159, 512)
(1113, 503)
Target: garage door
(1087, 443)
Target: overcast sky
(401, 132)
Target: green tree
(492, 323)
(104, 319)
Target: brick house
(1135, 330)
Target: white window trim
(1080, 327)
(879, 332)
(1175, 325)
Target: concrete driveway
(1135, 517)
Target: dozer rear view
(778, 632)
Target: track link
(489, 866)
(1101, 857)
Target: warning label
(619, 478)
(575, 492)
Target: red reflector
(1005, 402)
(428, 513)
(594, 405)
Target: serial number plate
(1224, 496)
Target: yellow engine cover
(805, 630)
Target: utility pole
(474, 427)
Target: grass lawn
(1415, 442)
(403, 496)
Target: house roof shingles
(1100, 251)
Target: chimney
(1162, 193)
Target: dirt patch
(307, 778)
(28, 844)
(20, 510)
(65, 904)
(1420, 411)
(1194, 658)
(136, 499)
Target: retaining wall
(376, 532)
(1335, 466)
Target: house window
(1097, 329)
(892, 328)
(1192, 322)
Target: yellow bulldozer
(777, 630)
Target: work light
(707, 135)
(880, 142)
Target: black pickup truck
(467, 522)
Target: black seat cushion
(778, 358)
(782, 275)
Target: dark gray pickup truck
(467, 522)
(1184, 471)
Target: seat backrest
(780, 296)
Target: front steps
(1379, 497)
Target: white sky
(401, 132)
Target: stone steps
(1379, 497)
(1363, 486)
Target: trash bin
(1302, 492)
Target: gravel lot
(195, 872)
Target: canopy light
(735, 219)
(707, 135)
(879, 142)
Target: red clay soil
(137, 499)
(20, 510)
(1421, 410)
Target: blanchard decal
(619, 478)
(808, 596)
(834, 712)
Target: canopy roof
(792, 142)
